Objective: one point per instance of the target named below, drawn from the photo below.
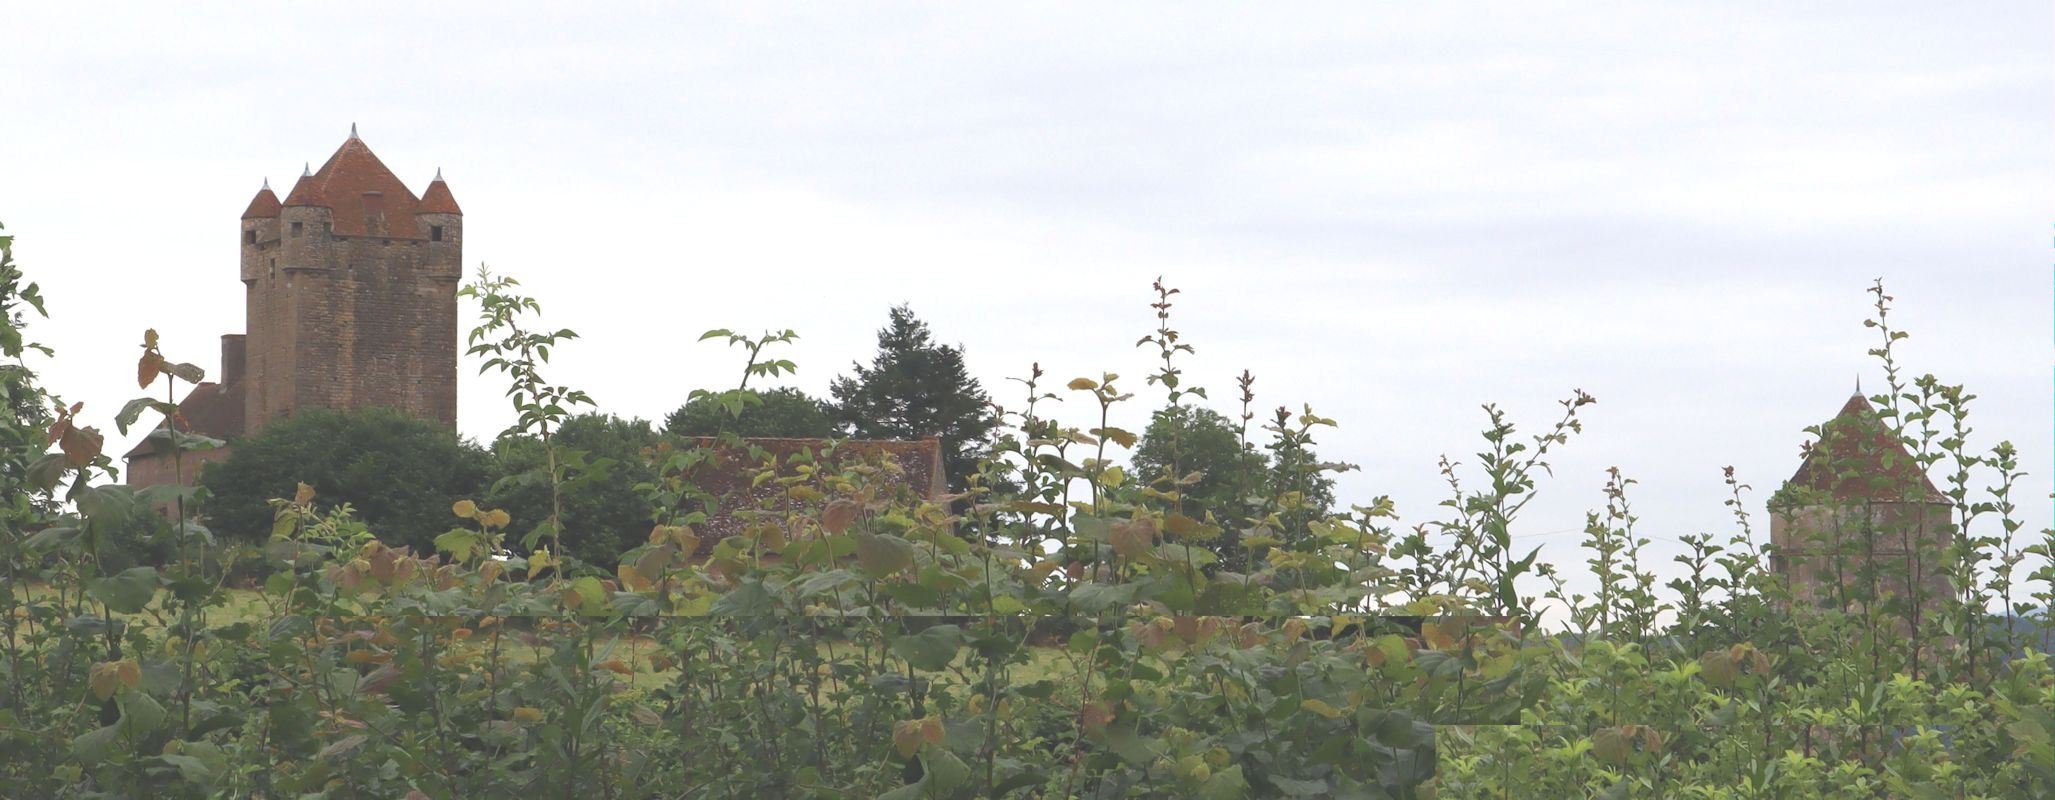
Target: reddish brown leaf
(147, 369)
(839, 515)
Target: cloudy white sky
(1393, 212)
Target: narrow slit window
(435, 233)
(296, 230)
(250, 236)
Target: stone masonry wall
(350, 321)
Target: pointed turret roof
(438, 200)
(343, 180)
(305, 192)
(1859, 457)
(265, 204)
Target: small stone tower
(1860, 500)
(350, 300)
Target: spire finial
(353, 130)
(267, 183)
(1858, 384)
(308, 170)
(438, 175)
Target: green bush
(399, 474)
(604, 516)
(854, 643)
(779, 413)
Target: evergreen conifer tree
(915, 389)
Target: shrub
(852, 643)
(399, 474)
(915, 389)
(779, 413)
(604, 516)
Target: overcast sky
(1395, 213)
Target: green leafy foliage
(915, 389)
(397, 473)
(856, 642)
(606, 457)
(777, 413)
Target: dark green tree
(1231, 477)
(603, 515)
(781, 412)
(1299, 486)
(916, 389)
(1200, 440)
(25, 404)
(399, 473)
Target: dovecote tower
(350, 300)
(1861, 520)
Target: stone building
(1861, 513)
(350, 299)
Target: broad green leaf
(140, 713)
(1094, 598)
(824, 582)
(749, 599)
(945, 771)
(1295, 787)
(931, 649)
(127, 592)
(92, 747)
(191, 769)
(592, 595)
(911, 791)
(107, 506)
(636, 604)
(459, 543)
(882, 554)
(1227, 784)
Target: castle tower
(350, 300)
(355, 303)
(1861, 513)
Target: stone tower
(350, 299)
(1861, 506)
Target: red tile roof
(265, 204)
(210, 410)
(341, 185)
(438, 200)
(1860, 458)
(307, 192)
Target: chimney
(232, 346)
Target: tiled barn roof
(730, 477)
(210, 410)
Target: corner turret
(442, 223)
(260, 232)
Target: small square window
(296, 230)
(250, 236)
(435, 233)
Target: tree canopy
(1182, 440)
(783, 412)
(603, 514)
(915, 389)
(399, 473)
